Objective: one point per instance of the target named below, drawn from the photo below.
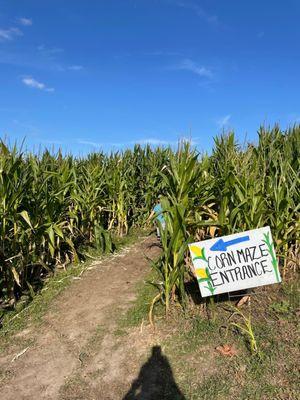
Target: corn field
(51, 205)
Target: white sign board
(235, 262)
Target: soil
(76, 354)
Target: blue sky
(86, 74)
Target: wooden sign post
(235, 262)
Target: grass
(138, 312)
(92, 344)
(74, 388)
(131, 238)
(214, 387)
(189, 339)
(33, 312)
(52, 206)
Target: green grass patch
(139, 310)
(202, 373)
(190, 338)
(191, 333)
(215, 387)
(134, 234)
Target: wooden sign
(235, 262)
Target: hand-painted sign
(235, 262)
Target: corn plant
(53, 204)
(245, 328)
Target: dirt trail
(75, 353)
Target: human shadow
(155, 380)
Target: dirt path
(75, 353)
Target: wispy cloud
(191, 66)
(223, 122)
(162, 53)
(159, 142)
(50, 52)
(210, 18)
(13, 32)
(154, 142)
(27, 127)
(75, 67)
(193, 141)
(10, 33)
(33, 83)
(40, 59)
(146, 141)
(24, 21)
(58, 142)
(89, 143)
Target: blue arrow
(220, 245)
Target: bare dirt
(76, 353)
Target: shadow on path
(155, 380)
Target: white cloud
(46, 141)
(150, 141)
(9, 34)
(75, 67)
(155, 142)
(25, 21)
(158, 53)
(190, 65)
(89, 143)
(31, 82)
(210, 18)
(222, 122)
(192, 141)
(159, 142)
(50, 52)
